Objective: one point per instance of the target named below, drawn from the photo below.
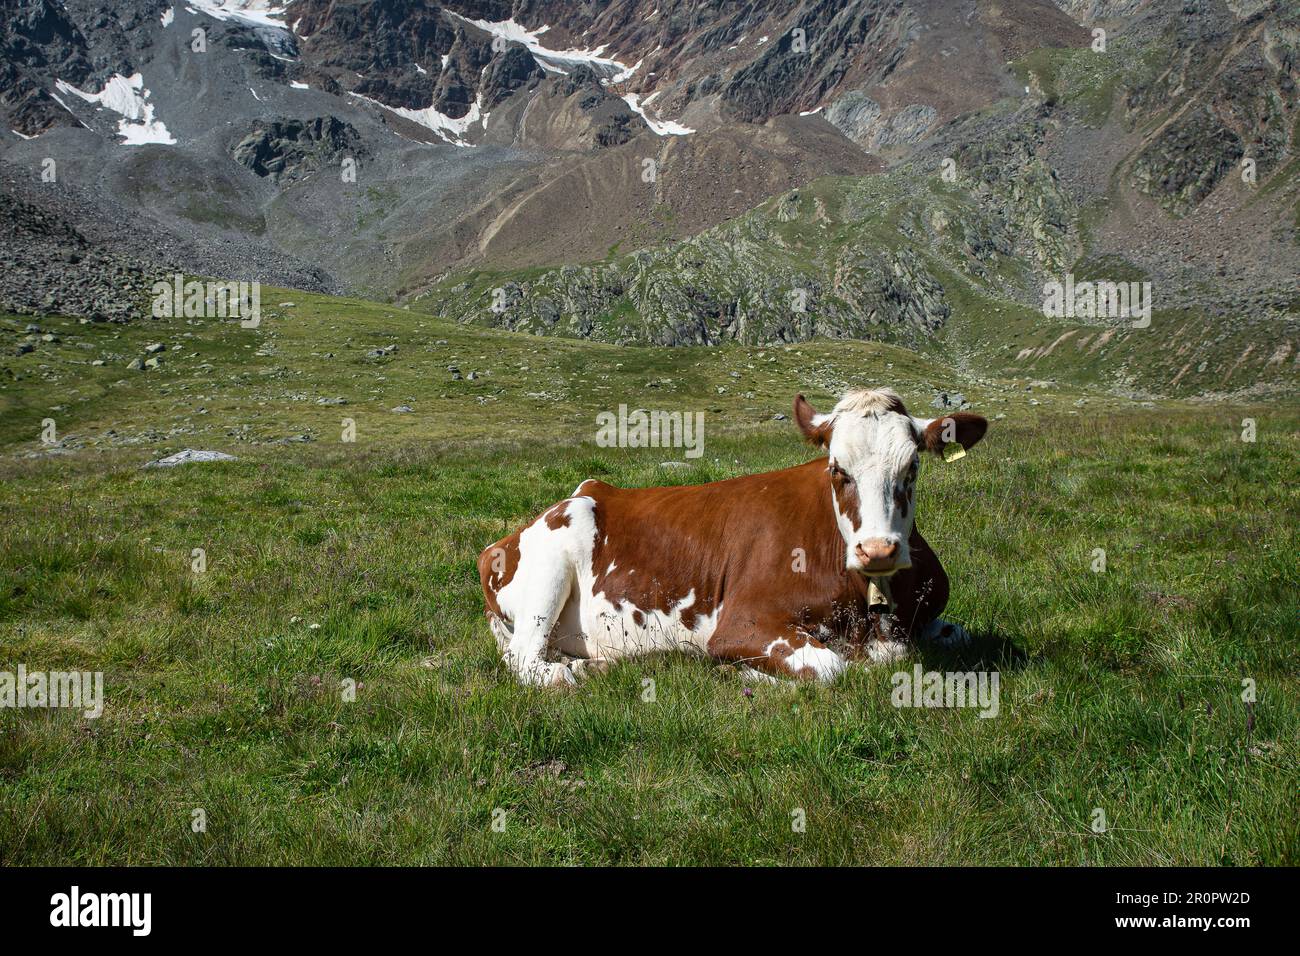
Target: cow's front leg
(780, 651)
(549, 581)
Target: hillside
(1115, 166)
(327, 562)
(507, 135)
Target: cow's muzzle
(879, 555)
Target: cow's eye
(839, 474)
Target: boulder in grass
(950, 400)
(190, 455)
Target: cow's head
(874, 449)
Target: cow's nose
(877, 554)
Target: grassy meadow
(330, 562)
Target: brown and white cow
(772, 571)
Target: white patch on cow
(824, 662)
(779, 642)
(550, 605)
(626, 630)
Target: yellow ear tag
(953, 450)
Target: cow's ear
(961, 428)
(816, 428)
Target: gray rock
(188, 456)
(287, 150)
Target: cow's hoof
(560, 676)
(946, 634)
(544, 674)
(583, 668)
(755, 676)
(886, 652)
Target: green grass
(1119, 691)
(1085, 80)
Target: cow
(788, 574)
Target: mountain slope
(478, 126)
(1082, 179)
(682, 172)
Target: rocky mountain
(500, 115)
(1123, 164)
(661, 170)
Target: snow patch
(168, 16)
(551, 59)
(627, 74)
(127, 96)
(20, 135)
(265, 13)
(55, 97)
(658, 127)
(299, 86)
(555, 61)
(451, 130)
